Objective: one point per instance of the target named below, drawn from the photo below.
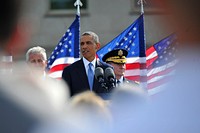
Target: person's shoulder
(104, 64)
(131, 81)
(73, 65)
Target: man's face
(37, 61)
(88, 47)
(119, 69)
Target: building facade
(107, 18)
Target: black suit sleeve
(66, 76)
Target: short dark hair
(9, 13)
(94, 36)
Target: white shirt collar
(121, 79)
(86, 62)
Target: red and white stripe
(136, 69)
(58, 66)
(157, 77)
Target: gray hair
(94, 36)
(37, 50)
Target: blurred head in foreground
(90, 112)
(26, 102)
(126, 101)
(15, 26)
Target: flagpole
(143, 84)
(141, 3)
(78, 4)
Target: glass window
(66, 5)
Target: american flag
(152, 68)
(160, 63)
(67, 50)
(132, 39)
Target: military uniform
(118, 56)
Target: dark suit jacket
(76, 78)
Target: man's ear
(98, 45)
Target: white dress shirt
(86, 64)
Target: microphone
(99, 75)
(110, 76)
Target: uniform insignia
(120, 52)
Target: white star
(109, 49)
(165, 52)
(63, 35)
(66, 46)
(56, 48)
(170, 53)
(166, 58)
(128, 49)
(101, 55)
(117, 44)
(125, 38)
(134, 37)
(122, 44)
(68, 30)
(126, 46)
(157, 62)
(132, 52)
(66, 39)
(70, 42)
(52, 57)
(159, 47)
(70, 50)
(134, 28)
(161, 57)
(61, 50)
(70, 34)
(130, 41)
(168, 42)
(48, 61)
(60, 43)
(133, 44)
(57, 53)
(130, 33)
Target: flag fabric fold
(160, 63)
(67, 50)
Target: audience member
(126, 101)
(26, 103)
(90, 113)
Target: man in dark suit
(80, 75)
(117, 59)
